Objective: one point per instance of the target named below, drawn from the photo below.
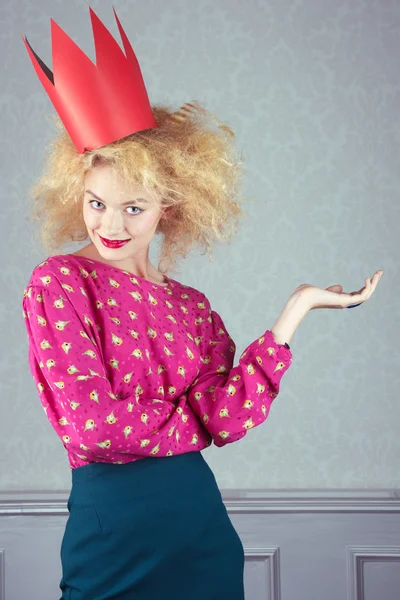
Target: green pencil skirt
(153, 529)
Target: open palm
(334, 297)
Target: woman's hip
(138, 521)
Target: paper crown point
(98, 103)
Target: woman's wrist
(290, 318)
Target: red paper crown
(98, 103)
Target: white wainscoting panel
(261, 574)
(369, 567)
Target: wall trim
(236, 501)
(313, 501)
(271, 556)
(357, 556)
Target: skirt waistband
(145, 465)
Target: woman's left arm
(231, 400)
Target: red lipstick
(113, 243)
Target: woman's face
(111, 212)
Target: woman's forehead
(105, 180)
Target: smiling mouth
(113, 241)
(113, 244)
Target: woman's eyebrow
(123, 204)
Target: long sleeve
(77, 397)
(230, 401)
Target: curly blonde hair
(193, 166)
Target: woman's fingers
(334, 297)
(366, 292)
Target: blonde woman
(134, 369)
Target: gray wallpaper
(312, 89)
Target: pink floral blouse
(126, 368)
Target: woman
(133, 368)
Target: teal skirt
(152, 529)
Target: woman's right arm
(77, 396)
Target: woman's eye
(137, 208)
(134, 207)
(94, 201)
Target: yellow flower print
(59, 303)
(66, 346)
(152, 333)
(128, 430)
(156, 449)
(231, 391)
(105, 444)
(94, 396)
(45, 280)
(153, 301)
(224, 412)
(61, 325)
(136, 296)
(45, 345)
(248, 403)
(260, 388)
(116, 340)
(189, 353)
(248, 424)
(111, 419)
